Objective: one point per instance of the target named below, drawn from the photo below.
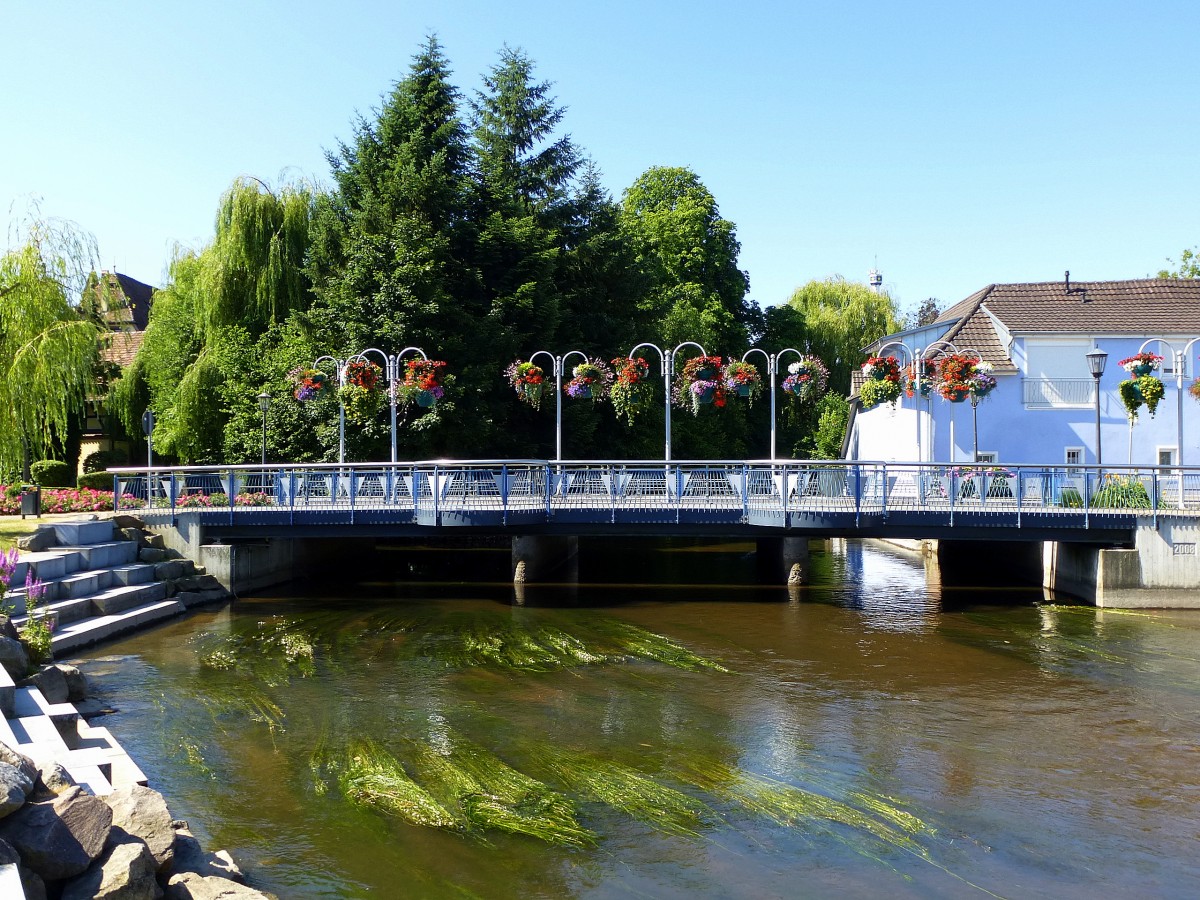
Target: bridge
(864, 499)
(1152, 512)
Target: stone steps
(99, 628)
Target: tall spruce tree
(389, 253)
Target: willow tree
(47, 348)
(249, 278)
(842, 317)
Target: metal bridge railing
(658, 491)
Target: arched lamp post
(391, 368)
(1180, 356)
(909, 355)
(772, 373)
(264, 403)
(558, 364)
(931, 351)
(340, 367)
(668, 372)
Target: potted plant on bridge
(631, 393)
(528, 380)
(362, 395)
(957, 376)
(806, 379)
(882, 383)
(700, 384)
(1141, 364)
(591, 380)
(929, 373)
(1145, 389)
(308, 384)
(422, 382)
(742, 378)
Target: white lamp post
(668, 372)
(558, 364)
(772, 373)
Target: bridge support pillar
(545, 558)
(782, 560)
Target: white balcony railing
(1058, 393)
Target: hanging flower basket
(362, 395)
(1141, 364)
(590, 380)
(307, 384)
(929, 374)
(631, 393)
(1136, 392)
(807, 378)
(422, 383)
(742, 379)
(882, 383)
(700, 384)
(527, 379)
(962, 375)
(1194, 389)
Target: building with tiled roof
(1036, 337)
(123, 305)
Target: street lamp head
(1096, 360)
(264, 401)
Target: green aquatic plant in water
(271, 653)
(625, 789)
(374, 778)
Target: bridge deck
(624, 497)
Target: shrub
(102, 459)
(51, 473)
(97, 481)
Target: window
(1166, 456)
(1057, 375)
(988, 457)
(1074, 456)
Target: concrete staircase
(101, 582)
(55, 733)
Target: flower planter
(1139, 371)
(706, 395)
(426, 399)
(532, 393)
(743, 390)
(706, 373)
(583, 392)
(957, 396)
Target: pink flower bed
(65, 500)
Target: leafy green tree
(843, 317)
(47, 348)
(1187, 267)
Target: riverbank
(68, 781)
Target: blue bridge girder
(626, 497)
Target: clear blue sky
(952, 144)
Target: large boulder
(13, 657)
(31, 885)
(142, 813)
(18, 760)
(15, 786)
(77, 686)
(53, 780)
(190, 886)
(190, 856)
(122, 520)
(151, 555)
(7, 628)
(59, 838)
(42, 539)
(126, 872)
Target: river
(671, 733)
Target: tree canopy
(47, 347)
(842, 317)
(1187, 267)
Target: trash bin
(31, 500)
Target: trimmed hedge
(51, 473)
(102, 459)
(97, 481)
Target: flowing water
(866, 735)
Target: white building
(1043, 409)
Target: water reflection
(856, 736)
